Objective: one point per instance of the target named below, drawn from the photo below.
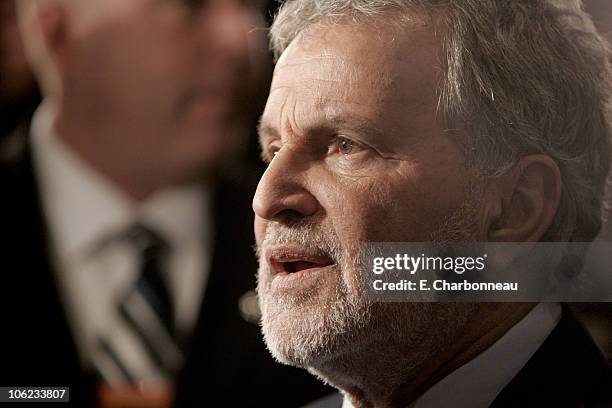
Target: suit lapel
(567, 370)
(41, 351)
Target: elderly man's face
(357, 153)
(169, 76)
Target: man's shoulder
(330, 401)
(20, 199)
(568, 369)
(15, 150)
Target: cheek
(393, 207)
(358, 210)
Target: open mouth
(291, 260)
(297, 266)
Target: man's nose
(283, 194)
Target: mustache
(307, 235)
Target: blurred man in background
(18, 92)
(128, 259)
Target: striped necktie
(147, 311)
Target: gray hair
(522, 77)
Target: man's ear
(527, 200)
(52, 18)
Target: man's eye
(269, 153)
(344, 146)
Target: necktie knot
(147, 241)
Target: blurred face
(167, 80)
(356, 153)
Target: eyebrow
(265, 131)
(331, 125)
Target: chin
(309, 335)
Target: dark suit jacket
(568, 370)
(227, 364)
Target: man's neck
(389, 377)
(126, 167)
(87, 142)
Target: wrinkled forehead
(368, 67)
(338, 54)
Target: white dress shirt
(86, 214)
(477, 383)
